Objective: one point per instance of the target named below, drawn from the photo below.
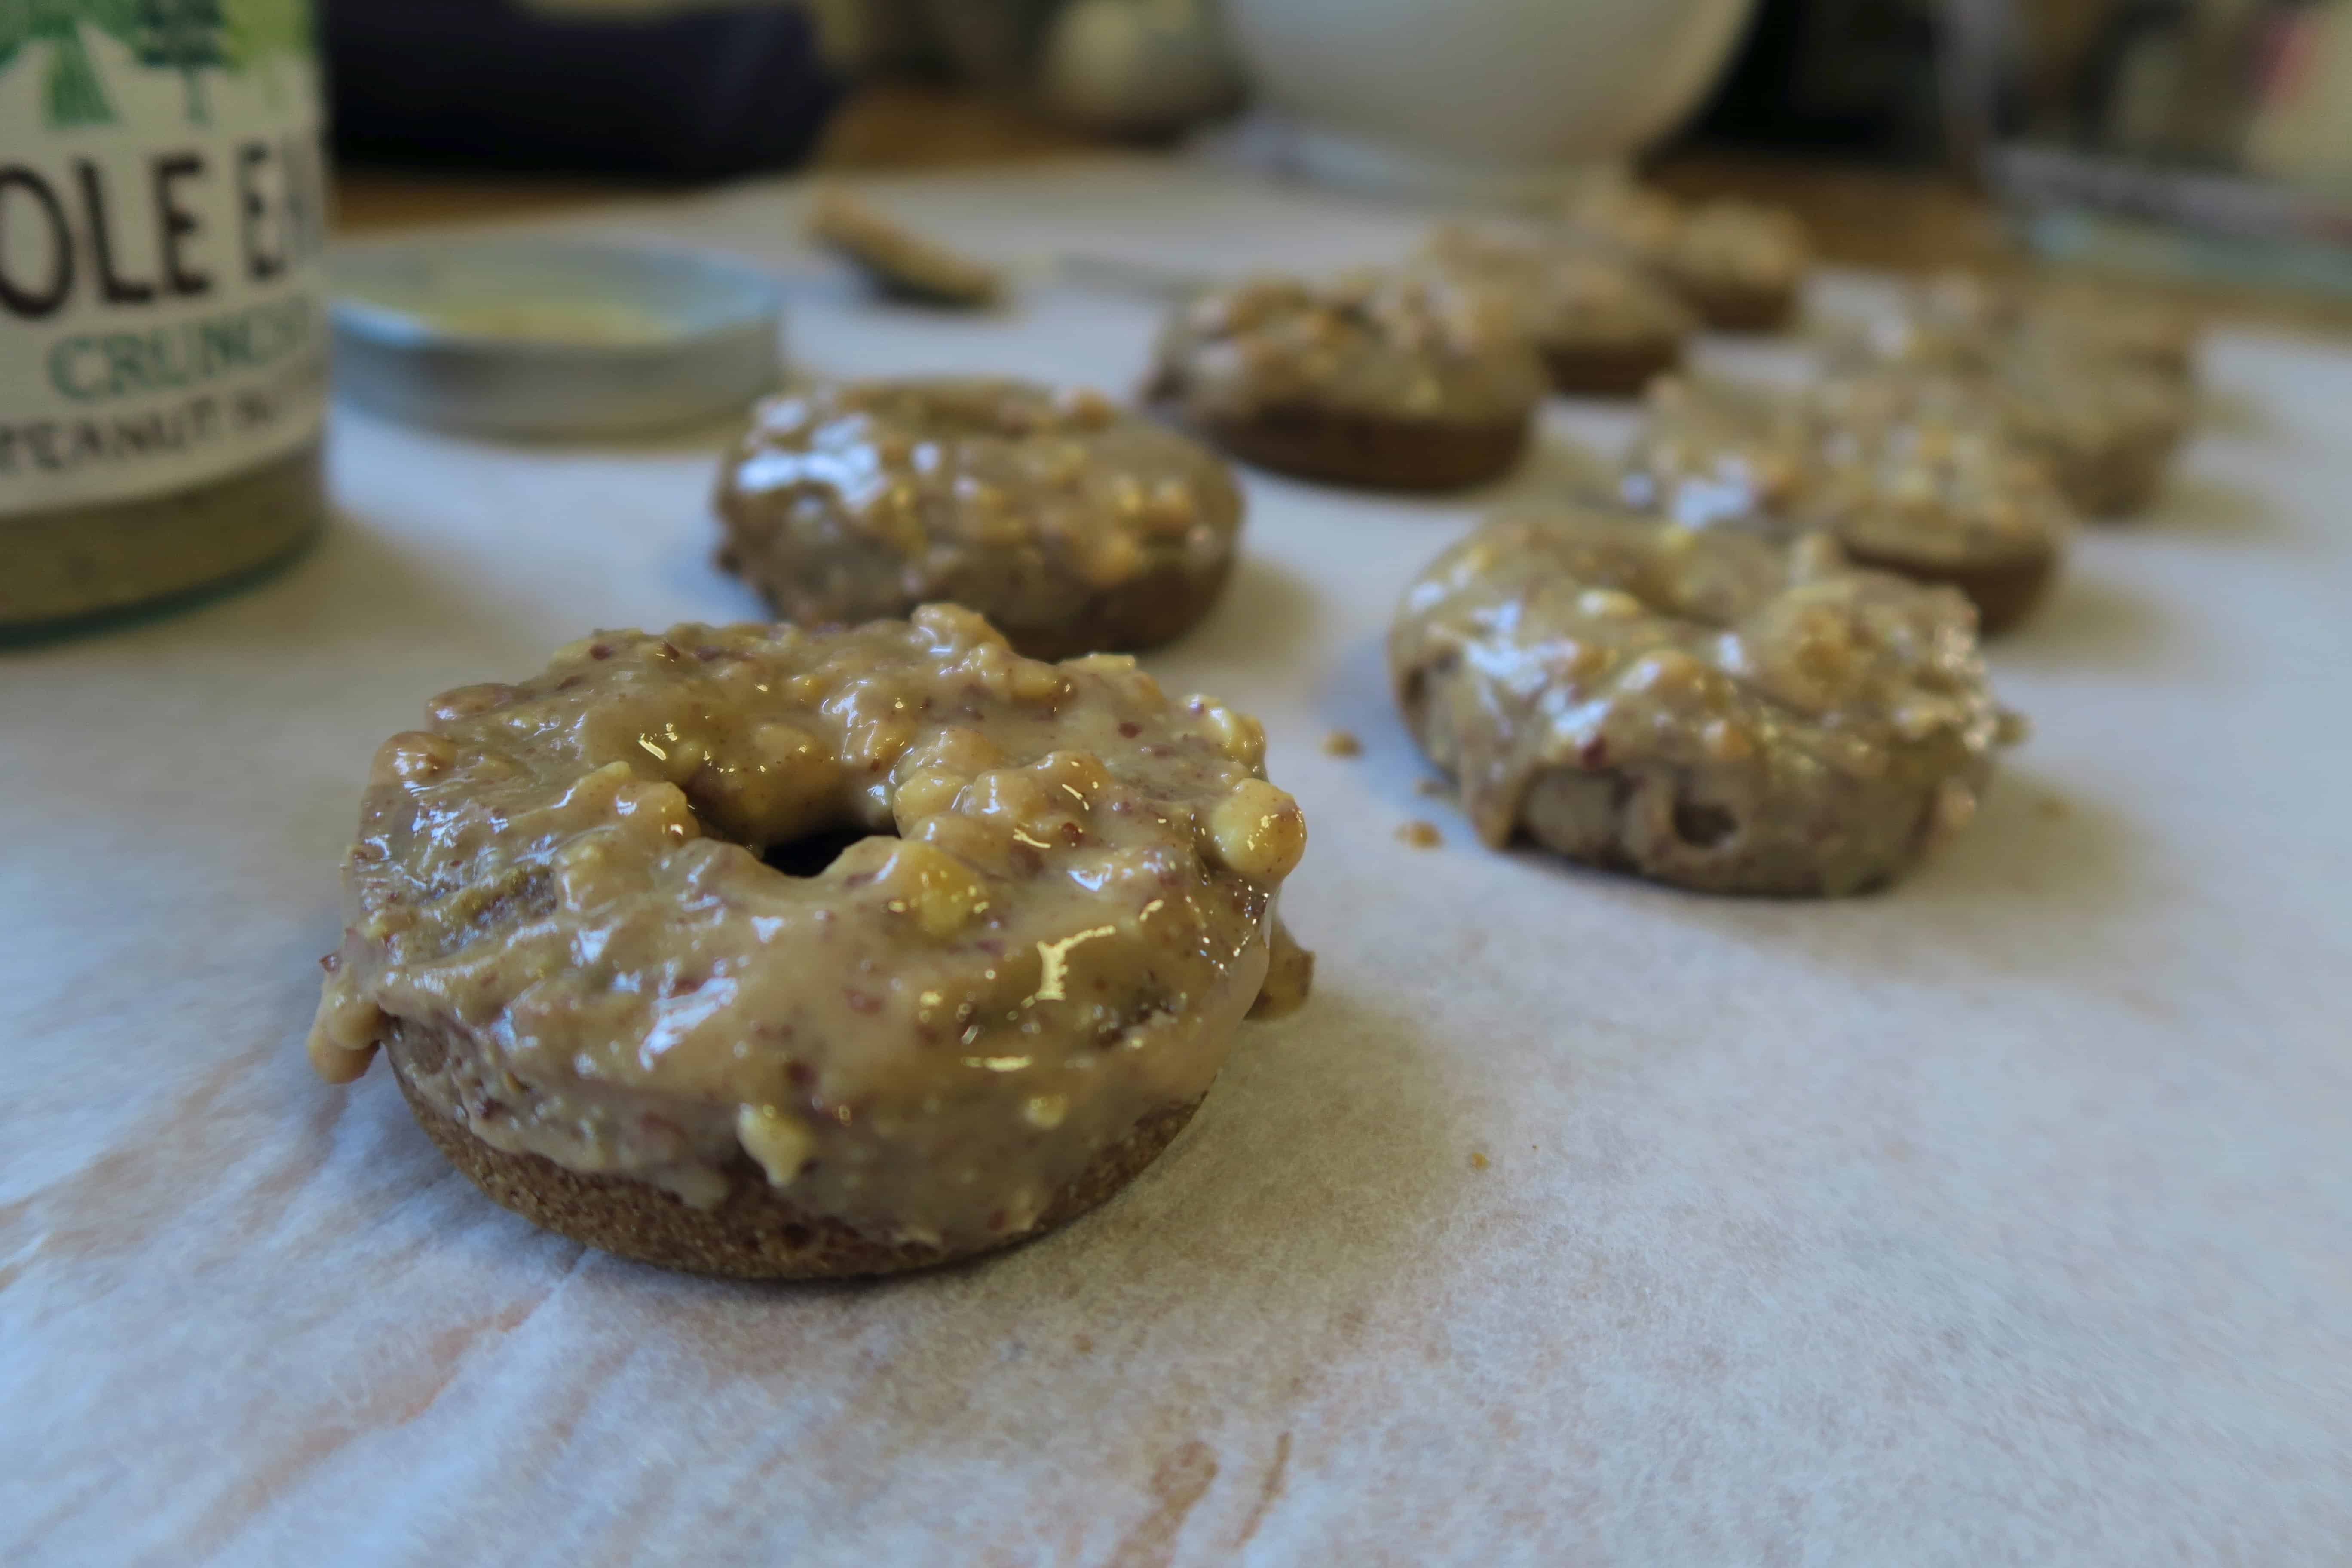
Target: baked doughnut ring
(1604, 326)
(1740, 265)
(2101, 399)
(1699, 707)
(1075, 527)
(1931, 487)
(1966, 320)
(1380, 380)
(967, 1026)
(2109, 429)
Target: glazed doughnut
(2108, 430)
(1603, 325)
(1380, 380)
(1073, 527)
(1965, 319)
(2103, 403)
(1934, 488)
(592, 923)
(1699, 707)
(1740, 265)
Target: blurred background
(2205, 142)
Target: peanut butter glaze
(1034, 505)
(1062, 907)
(1960, 318)
(1895, 466)
(1729, 257)
(1421, 347)
(1703, 707)
(2101, 403)
(1567, 293)
(1739, 243)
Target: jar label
(163, 217)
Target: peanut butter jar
(163, 327)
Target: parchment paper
(2006, 1217)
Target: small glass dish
(550, 338)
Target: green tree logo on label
(189, 36)
(71, 93)
(184, 35)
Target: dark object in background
(492, 85)
(1850, 76)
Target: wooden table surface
(1895, 220)
(895, 128)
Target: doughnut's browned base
(1624, 371)
(1370, 452)
(2115, 484)
(1155, 608)
(1582, 817)
(1728, 308)
(2004, 591)
(1639, 823)
(754, 1233)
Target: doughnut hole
(953, 795)
(780, 791)
(813, 854)
(783, 784)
